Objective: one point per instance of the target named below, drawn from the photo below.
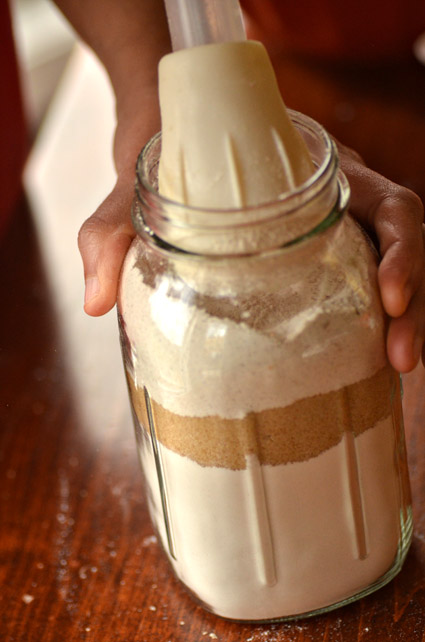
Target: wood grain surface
(78, 557)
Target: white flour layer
(195, 364)
(308, 558)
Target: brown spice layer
(296, 432)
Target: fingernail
(92, 288)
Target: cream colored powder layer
(198, 365)
(310, 556)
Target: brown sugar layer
(294, 433)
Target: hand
(105, 237)
(129, 38)
(395, 217)
(391, 213)
(103, 242)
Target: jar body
(268, 421)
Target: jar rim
(329, 164)
(154, 215)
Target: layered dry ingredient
(273, 478)
(263, 398)
(277, 541)
(274, 436)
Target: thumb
(103, 241)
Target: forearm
(128, 36)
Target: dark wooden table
(78, 556)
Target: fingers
(398, 223)
(105, 236)
(394, 217)
(103, 242)
(405, 340)
(391, 213)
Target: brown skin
(395, 216)
(129, 38)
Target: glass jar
(268, 419)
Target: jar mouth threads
(307, 210)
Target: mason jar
(268, 418)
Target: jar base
(406, 522)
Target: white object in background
(69, 173)
(44, 41)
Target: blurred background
(70, 498)
(69, 171)
(45, 42)
(69, 105)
